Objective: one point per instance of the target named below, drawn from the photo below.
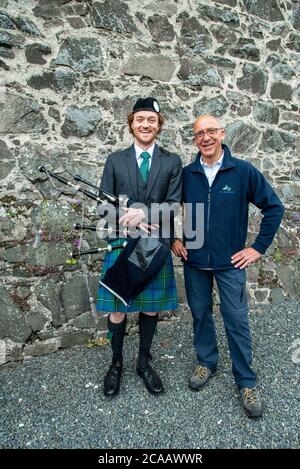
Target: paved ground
(56, 401)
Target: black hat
(146, 104)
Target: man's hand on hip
(178, 249)
(245, 257)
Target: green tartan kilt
(160, 295)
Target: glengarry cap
(146, 104)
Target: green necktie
(144, 168)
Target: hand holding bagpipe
(134, 217)
(142, 257)
(103, 197)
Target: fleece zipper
(208, 210)
(208, 216)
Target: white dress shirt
(138, 152)
(211, 170)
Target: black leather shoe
(151, 379)
(112, 379)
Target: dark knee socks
(147, 327)
(118, 333)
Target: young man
(225, 186)
(145, 173)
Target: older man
(147, 174)
(225, 186)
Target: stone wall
(70, 72)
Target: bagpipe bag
(136, 267)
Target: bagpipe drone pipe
(142, 254)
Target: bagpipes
(142, 255)
(103, 197)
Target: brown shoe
(252, 403)
(200, 377)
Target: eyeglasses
(210, 132)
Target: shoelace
(201, 372)
(250, 396)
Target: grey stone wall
(70, 72)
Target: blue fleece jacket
(226, 203)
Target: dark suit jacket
(164, 181)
